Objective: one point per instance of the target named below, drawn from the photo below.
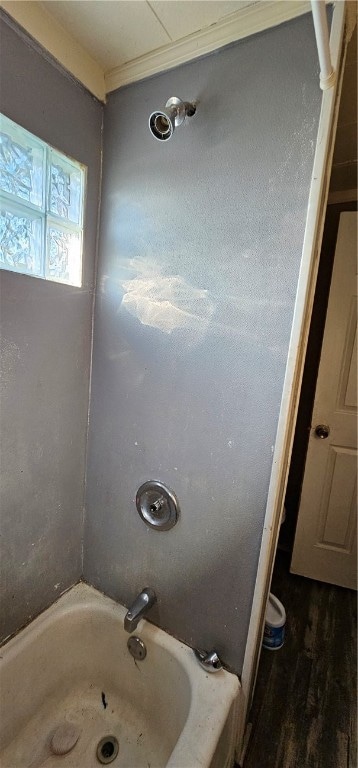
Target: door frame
(317, 204)
(307, 450)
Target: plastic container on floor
(275, 620)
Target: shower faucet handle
(157, 505)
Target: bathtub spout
(139, 608)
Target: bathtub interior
(77, 668)
(72, 665)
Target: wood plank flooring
(304, 708)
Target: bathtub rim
(220, 692)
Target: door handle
(322, 431)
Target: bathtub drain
(107, 749)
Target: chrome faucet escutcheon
(209, 661)
(139, 608)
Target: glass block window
(41, 212)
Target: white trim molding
(317, 204)
(47, 31)
(248, 21)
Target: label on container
(273, 637)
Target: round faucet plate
(157, 505)
(136, 648)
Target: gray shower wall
(45, 355)
(200, 249)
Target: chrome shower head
(163, 122)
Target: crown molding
(47, 31)
(254, 18)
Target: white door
(325, 545)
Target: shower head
(163, 122)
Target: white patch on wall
(166, 302)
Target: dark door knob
(322, 431)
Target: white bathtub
(71, 664)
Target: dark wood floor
(304, 708)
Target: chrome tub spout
(139, 608)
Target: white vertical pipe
(327, 74)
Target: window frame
(39, 240)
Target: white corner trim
(47, 31)
(294, 370)
(254, 18)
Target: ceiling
(115, 33)
(109, 43)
